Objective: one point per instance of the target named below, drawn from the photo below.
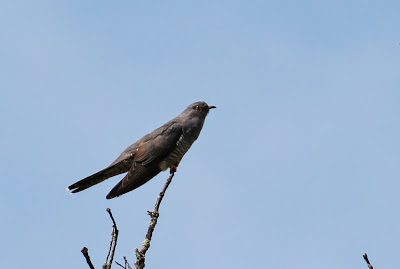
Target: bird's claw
(173, 168)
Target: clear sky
(298, 167)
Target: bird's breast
(176, 155)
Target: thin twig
(127, 265)
(113, 243)
(120, 265)
(367, 260)
(141, 255)
(85, 253)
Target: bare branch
(367, 260)
(113, 243)
(85, 253)
(141, 255)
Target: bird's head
(198, 109)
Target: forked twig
(140, 255)
(113, 243)
(127, 265)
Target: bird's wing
(127, 154)
(152, 148)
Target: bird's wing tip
(68, 189)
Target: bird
(155, 152)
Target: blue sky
(297, 167)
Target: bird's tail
(100, 176)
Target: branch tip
(85, 252)
(365, 256)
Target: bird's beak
(211, 107)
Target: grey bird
(155, 152)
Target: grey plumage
(155, 152)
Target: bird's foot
(173, 168)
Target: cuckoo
(155, 152)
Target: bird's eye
(198, 108)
